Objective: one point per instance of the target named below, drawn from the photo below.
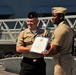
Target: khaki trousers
(63, 65)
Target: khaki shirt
(26, 38)
(63, 37)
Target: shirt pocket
(28, 40)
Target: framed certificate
(39, 44)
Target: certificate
(39, 44)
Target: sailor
(32, 63)
(61, 43)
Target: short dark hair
(32, 15)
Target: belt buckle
(34, 60)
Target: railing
(10, 28)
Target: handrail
(10, 28)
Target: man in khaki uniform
(32, 63)
(61, 43)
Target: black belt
(25, 59)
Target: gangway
(10, 28)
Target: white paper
(39, 44)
